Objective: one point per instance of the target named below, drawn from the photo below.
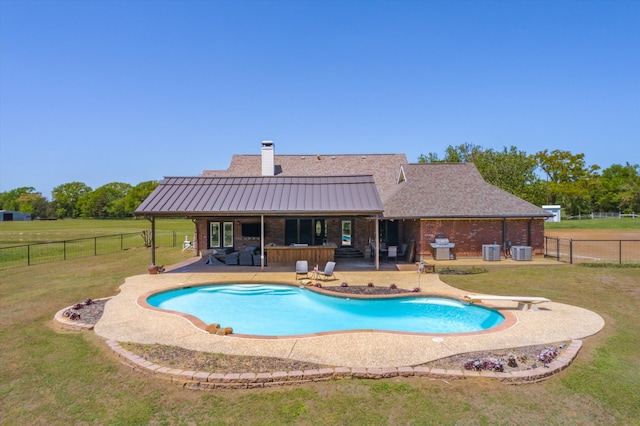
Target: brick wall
(470, 235)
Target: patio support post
(261, 242)
(377, 254)
(153, 239)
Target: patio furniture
(231, 258)
(403, 251)
(302, 268)
(327, 271)
(392, 252)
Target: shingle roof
(269, 195)
(383, 167)
(452, 190)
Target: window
(228, 234)
(214, 239)
(221, 237)
(298, 231)
(346, 233)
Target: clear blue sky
(130, 91)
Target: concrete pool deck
(124, 320)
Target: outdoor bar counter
(288, 255)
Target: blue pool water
(277, 310)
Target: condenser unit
(521, 253)
(490, 252)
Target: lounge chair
(327, 271)
(302, 268)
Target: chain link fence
(35, 254)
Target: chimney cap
(267, 143)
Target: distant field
(38, 231)
(623, 223)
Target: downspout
(504, 236)
(153, 239)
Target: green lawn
(71, 378)
(617, 224)
(38, 231)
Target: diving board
(524, 303)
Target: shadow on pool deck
(197, 264)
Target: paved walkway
(125, 321)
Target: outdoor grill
(441, 248)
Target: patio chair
(327, 271)
(403, 251)
(392, 252)
(302, 268)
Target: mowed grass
(39, 231)
(614, 224)
(47, 376)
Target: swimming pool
(281, 310)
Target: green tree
(9, 199)
(137, 195)
(570, 182)
(33, 203)
(618, 189)
(66, 197)
(105, 201)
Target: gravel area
(89, 313)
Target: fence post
(64, 250)
(95, 246)
(121, 242)
(620, 250)
(571, 251)
(28, 254)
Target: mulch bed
(185, 359)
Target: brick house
(263, 200)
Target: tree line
(546, 177)
(76, 199)
(552, 177)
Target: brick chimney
(268, 158)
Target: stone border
(202, 380)
(73, 325)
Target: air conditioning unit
(521, 253)
(490, 252)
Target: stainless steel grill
(441, 248)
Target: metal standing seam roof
(268, 195)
